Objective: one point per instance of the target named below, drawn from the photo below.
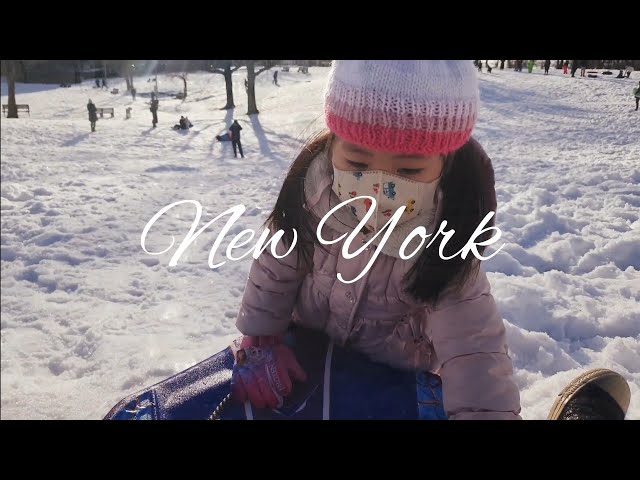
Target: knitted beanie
(417, 107)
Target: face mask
(390, 191)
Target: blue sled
(342, 385)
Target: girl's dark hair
(290, 211)
(468, 194)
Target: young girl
(400, 132)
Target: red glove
(263, 371)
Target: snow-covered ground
(88, 317)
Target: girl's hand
(263, 371)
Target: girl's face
(420, 168)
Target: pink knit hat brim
(396, 140)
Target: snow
(88, 317)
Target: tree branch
(267, 67)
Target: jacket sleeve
(468, 337)
(270, 293)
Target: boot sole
(605, 379)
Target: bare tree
(10, 68)
(251, 88)
(183, 77)
(227, 71)
(126, 68)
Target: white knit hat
(403, 106)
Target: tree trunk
(23, 69)
(229, 85)
(104, 66)
(76, 73)
(11, 80)
(251, 89)
(184, 79)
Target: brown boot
(598, 394)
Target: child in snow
(423, 313)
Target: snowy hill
(88, 317)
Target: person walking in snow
(547, 65)
(93, 115)
(154, 109)
(235, 138)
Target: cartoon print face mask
(390, 192)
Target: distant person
(180, 124)
(565, 67)
(583, 69)
(97, 83)
(502, 64)
(574, 67)
(104, 83)
(620, 74)
(547, 66)
(530, 66)
(154, 109)
(183, 124)
(235, 138)
(93, 115)
(133, 93)
(275, 78)
(225, 137)
(489, 68)
(636, 93)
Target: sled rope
(326, 393)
